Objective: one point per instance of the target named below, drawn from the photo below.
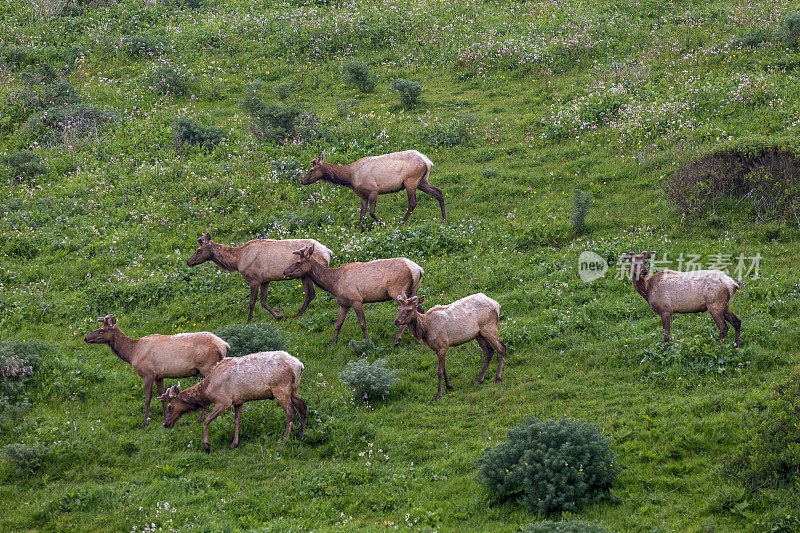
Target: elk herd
(232, 381)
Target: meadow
(521, 104)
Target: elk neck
(325, 277)
(338, 175)
(641, 285)
(419, 326)
(226, 257)
(122, 346)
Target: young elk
(355, 284)
(380, 174)
(156, 357)
(472, 317)
(260, 262)
(670, 292)
(258, 376)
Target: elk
(259, 261)
(670, 292)
(156, 357)
(473, 317)
(380, 174)
(355, 284)
(258, 376)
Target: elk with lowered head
(156, 357)
(236, 380)
(670, 292)
(355, 284)
(473, 317)
(260, 261)
(380, 174)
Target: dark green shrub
(343, 107)
(565, 526)
(454, 133)
(43, 73)
(283, 91)
(754, 37)
(192, 4)
(551, 465)
(16, 56)
(790, 29)
(192, 133)
(369, 380)
(771, 456)
(581, 202)
(18, 362)
(359, 75)
(168, 80)
(407, 90)
(67, 123)
(270, 122)
(22, 164)
(140, 46)
(26, 459)
(251, 338)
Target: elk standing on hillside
(258, 376)
(380, 174)
(670, 292)
(355, 284)
(260, 262)
(473, 317)
(156, 357)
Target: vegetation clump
(283, 90)
(251, 338)
(141, 46)
(26, 459)
(71, 122)
(275, 123)
(22, 164)
(790, 29)
(18, 362)
(190, 132)
(565, 526)
(581, 202)
(167, 80)
(551, 466)
(369, 380)
(408, 91)
(359, 75)
(454, 133)
(754, 37)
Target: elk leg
(362, 320)
(339, 321)
(436, 193)
(488, 352)
(308, 294)
(361, 216)
(722, 326)
(447, 380)
(160, 385)
(412, 203)
(253, 294)
(440, 355)
(665, 319)
(288, 407)
(264, 292)
(301, 407)
(399, 334)
(148, 394)
(237, 419)
(491, 336)
(373, 202)
(215, 412)
(202, 414)
(735, 322)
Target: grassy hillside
(522, 103)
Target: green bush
(581, 202)
(369, 380)
(270, 122)
(343, 107)
(168, 80)
(754, 37)
(65, 123)
(407, 90)
(283, 90)
(141, 46)
(771, 455)
(19, 361)
(790, 29)
(551, 466)
(454, 133)
(359, 75)
(251, 338)
(26, 459)
(22, 164)
(191, 132)
(565, 526)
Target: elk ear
(310, 250)
(648, 255)
(401, 297)
(420, 300)
(322, 157)
(627, 256)
(112, 320)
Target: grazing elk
(380, 174)
(258, 376)
(355, 284)
(156, 357)
(259, 261)
(473, 317)
(670, 292)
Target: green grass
(109, 227)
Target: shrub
(407, 90)
(27, 459)
(139, 46)
(581, 202)
(454, 133)
(191, 132)
(168, 80)
(22, 164)
(283, 90)
(359, 75)
(343, 107)
(551, 465)
(71, 122)
(270, 122)
(754, 37)
(251, 338)
(565, 526)
(758, 172)
(790, 29)
(18, 362)
(369, 380)
(771, 455)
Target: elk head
(203, 252)
(316, 171)
(104, 333)
(302, 266)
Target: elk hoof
(234, 445)
(144, 424)
(206, 447)
(498, 380)
(480, 380)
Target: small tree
(408, 91)
(359, 74)
(369, 380)
(581, 202)
(191, 132)
(22, 164)
(251, 338)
